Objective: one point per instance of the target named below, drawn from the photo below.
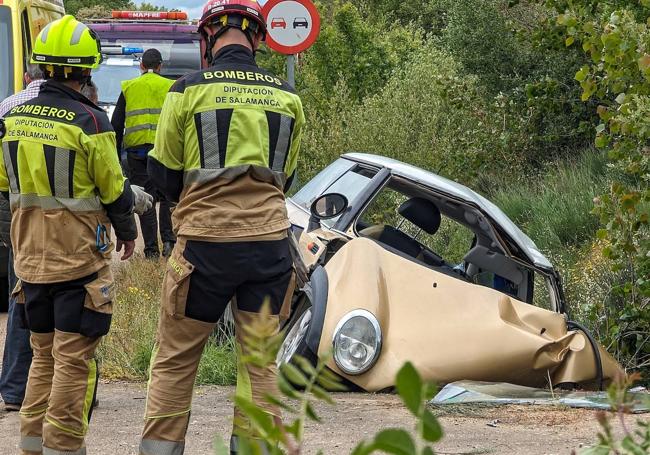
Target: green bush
(428, 114)
(361, 52)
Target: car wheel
(294, 341)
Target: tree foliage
(615, 36)
(94, 9)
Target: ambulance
(20, 23)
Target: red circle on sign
(307, 42)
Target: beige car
(404, 265)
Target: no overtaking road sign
(293, 25)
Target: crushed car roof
(462, 193)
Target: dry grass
(126, 351)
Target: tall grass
(125, 352)
(555, 209)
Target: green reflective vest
(144, 97)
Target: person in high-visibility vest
(66, 190)
(135, 120)
(226, 149)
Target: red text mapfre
(150, 15)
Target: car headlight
(357, 342)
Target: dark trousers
(148, 222)
(67, 321)
(18, 352)
(202, 277)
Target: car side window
(451, 241)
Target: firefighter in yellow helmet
(66, 190)
(226, 149)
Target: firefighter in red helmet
(226, 150)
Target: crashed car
(404, 265)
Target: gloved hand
(142, 201)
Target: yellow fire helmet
(67, 42)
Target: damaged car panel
(418, 268)
(449, 329)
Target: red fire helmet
(247, 8)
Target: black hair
(151, 59)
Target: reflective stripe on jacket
(59, 166)
(227, 142)
(144, 97)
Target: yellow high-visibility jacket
(63, 179)
(144, 98)
(226, 146)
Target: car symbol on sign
(279, 22)
(300, 22)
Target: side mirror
(326, 207)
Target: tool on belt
(102, 241)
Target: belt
(140, 152)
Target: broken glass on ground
(499, 393)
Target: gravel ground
(531, 430)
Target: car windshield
(342, 176)
(109, 76)
(6, 53)
(317, 186)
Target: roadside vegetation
(542, 106)
(126, 351)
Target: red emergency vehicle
(127, 34)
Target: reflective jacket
(59, 166)
(144, 98)
(226, 145)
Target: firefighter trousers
(201, 278)
(66, 321)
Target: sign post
(291, 69)
(293, 26)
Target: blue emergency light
(132, 50)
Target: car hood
(462, 193)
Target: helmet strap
(65, 73)
(248, 27)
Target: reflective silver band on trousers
(201, 176)
(156, 447)
(25, 201)
(31, 443)
(144, 126)
(48, 451)
(143, 112)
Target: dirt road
(520, 430)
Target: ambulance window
(6, 53)
(27, 39)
